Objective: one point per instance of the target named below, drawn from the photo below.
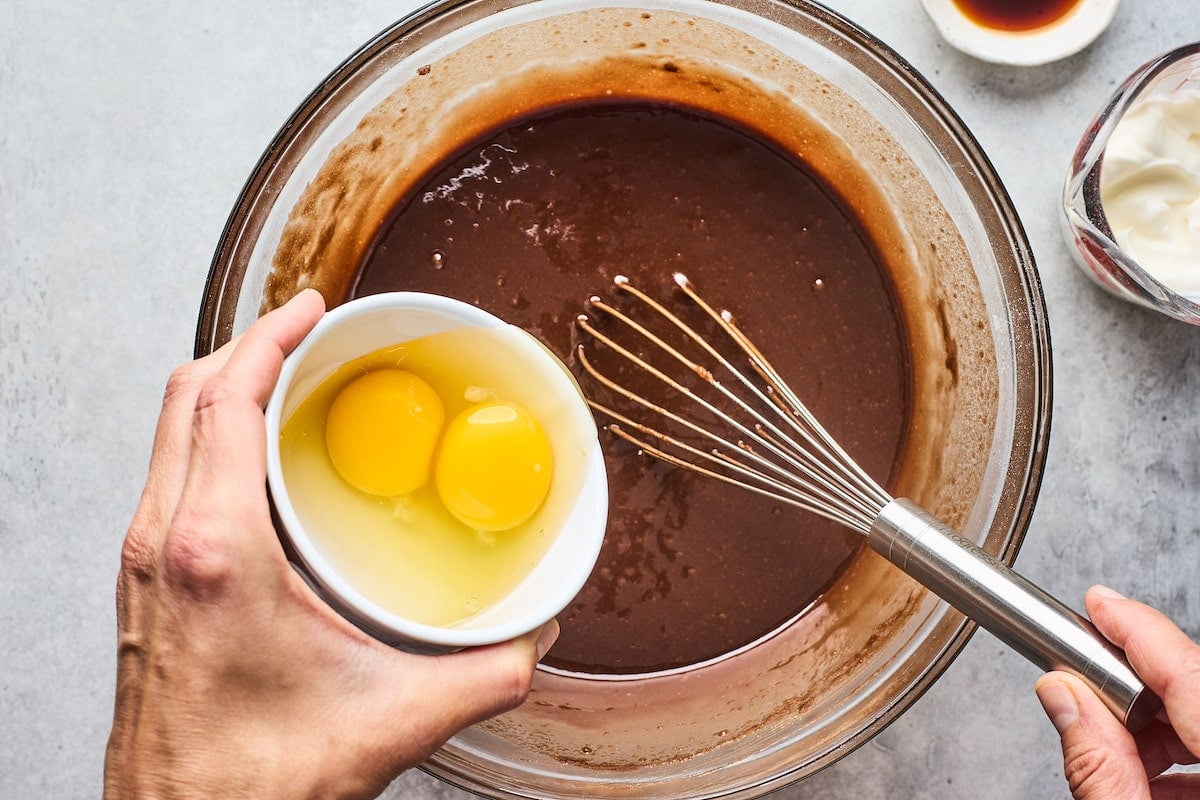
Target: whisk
(753, 431)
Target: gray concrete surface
(126, 131)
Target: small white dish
(1063, 37)
(363, 326)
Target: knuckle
(1096, 771)
(215, 393)
(1189, 665)
(1084, 768)
(183, 382)
(196, 560)
(138, 559)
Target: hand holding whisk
(753, 431)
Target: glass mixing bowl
(811, 691)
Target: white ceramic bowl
(363, 326)
(1066, 36)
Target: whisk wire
(788, 401)
(810, 474)
(805, 458)
(849, 477)
(815, 492)
(762, 484)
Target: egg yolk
(382, 430)
(495, 465)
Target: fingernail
(547, 638)
(1059, 703)
(312, 290)
(1111, 594)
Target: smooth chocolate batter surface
(531, 220)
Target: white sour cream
(1150, 188)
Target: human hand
(233, 678)
(1104, 761)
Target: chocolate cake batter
(534, 218)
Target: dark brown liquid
(538, 216)
(1015, 15)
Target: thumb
(454, 691)
(1100, 757)
(486, 681)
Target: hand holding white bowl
(233, 678)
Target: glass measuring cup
(1085, 225)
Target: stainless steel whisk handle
(1016, 611)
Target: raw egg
(494, 467)
(382, 430)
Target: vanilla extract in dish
(531, 219)
(1015, 15)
